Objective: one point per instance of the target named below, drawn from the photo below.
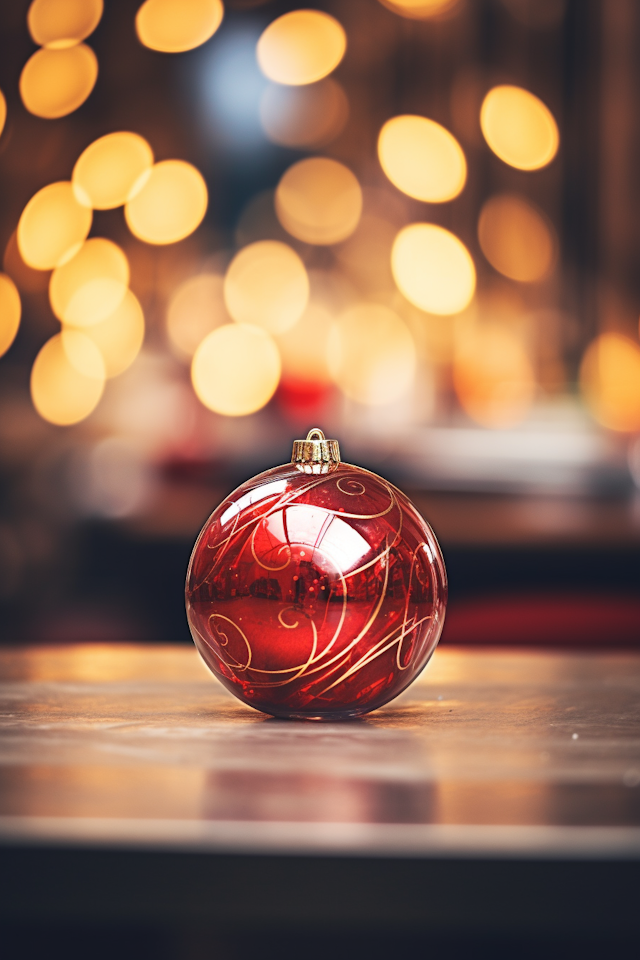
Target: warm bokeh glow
(83, 354)
(112, 170)
(25, 278)
(266, 285)
(433, 268)
(308, 116)
(54, 83)
(366, 256)
(91, 285)
(519, 128)
(319, 201)
(196, 308)
(173, 26)
(371, 355)
(422, 159)
(516, 238)
(493, 376)
(236, 369)
(170, 205)
(63, 23)
(10, 312)
(420, 9)
(301, 47)
(610, 382)
(120, 336)
(53, 226)
(304, 348)
(60, 393)
(3, 111)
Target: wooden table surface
(500, 792)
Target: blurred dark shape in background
(512, 419)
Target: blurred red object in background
(546, 620)
(303, 397)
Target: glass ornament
(316, 590)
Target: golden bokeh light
(10, 312)
(63, 23)
(519, 128)
(319, 201)
(25, 278)
(610, 382)
(91, 285)
(53, 226)
(304, 348)
(516, 238)
(372, 355)
(301, 47)
(54, 83)
(196, 308)
(493, 376)
(171, 204)
(60, 393)
(266, 285)
(83, 354)
(173, 26)
(308, 116)
(420, 9)
(422, 159)
(236, 369)
(120, 336)
(433, 269)
(3, 111)
(112, 170)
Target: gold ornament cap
(316, 454)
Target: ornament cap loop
(316, 454)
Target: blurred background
(413, 223)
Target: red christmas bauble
(316, 590)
